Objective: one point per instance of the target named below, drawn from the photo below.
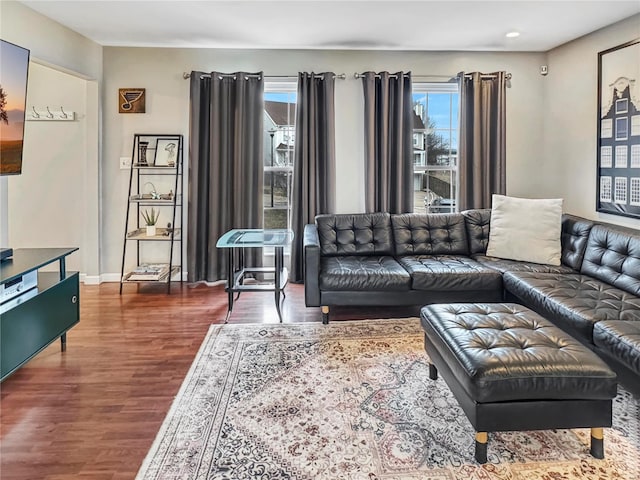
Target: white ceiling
(347, 24)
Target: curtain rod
(468, 75)
(187, 75)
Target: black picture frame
(618, 141)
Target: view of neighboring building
(435, 144)
(435, 151)
(279, 137)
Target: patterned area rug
(352, 400)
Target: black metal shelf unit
(155, 157)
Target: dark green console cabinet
(38, 316)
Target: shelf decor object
(166, 151)
(618, 187)
(142, 157)
(154, 192)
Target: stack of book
(149, 272)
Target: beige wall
(56, 201)
(160, 72)
(47, 199)
(570, 119)
(49, 41)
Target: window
(621, 156)
(606, 128)
(605, 189)
(635, 125)
(606, 160)
(279, 137)
(635, 191)
(635, 156)
(435, 147)
(620, 192)
(622, 105)
(622, 128)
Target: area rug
(353, 401)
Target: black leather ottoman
(511, 369)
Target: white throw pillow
(526, 229)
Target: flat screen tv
(14, 69)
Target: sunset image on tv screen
(14, 66)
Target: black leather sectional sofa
(413, 259)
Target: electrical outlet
(125, 163)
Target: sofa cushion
(421, 234)
(358, 273)
(449, 273)
(613, 256)
(575, 234)
(504, 265)
(477, 223)
(573, 301)
(355, 234)
(621, 339)
(525, 229)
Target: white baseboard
(110, 277)
(90, 279)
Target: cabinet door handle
(74, 299)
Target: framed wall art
(131, 100)
(619, 130)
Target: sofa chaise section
(600, 304)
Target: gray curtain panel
(314, 170)
(225, 166)
(388, 131)
(482, 160)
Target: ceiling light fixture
(513, 34)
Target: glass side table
(235, 241)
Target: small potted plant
(150, 220)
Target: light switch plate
(125, 163)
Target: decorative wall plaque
(131, 100)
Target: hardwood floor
(93, 411)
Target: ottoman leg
(325, 315)
(433, 372)
(481, 447)
(597, 443)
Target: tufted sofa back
(575, 233)
(417, 234)
(613, 256)
(355, 234)
(477, 225)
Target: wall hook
(35, 114)
(49, 114)
(62, 114)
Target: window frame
(282, 87)
(426, 88)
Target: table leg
(279, 261)
(240, 253)
(63, 342)
(230, 282)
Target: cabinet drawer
(28, 328)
